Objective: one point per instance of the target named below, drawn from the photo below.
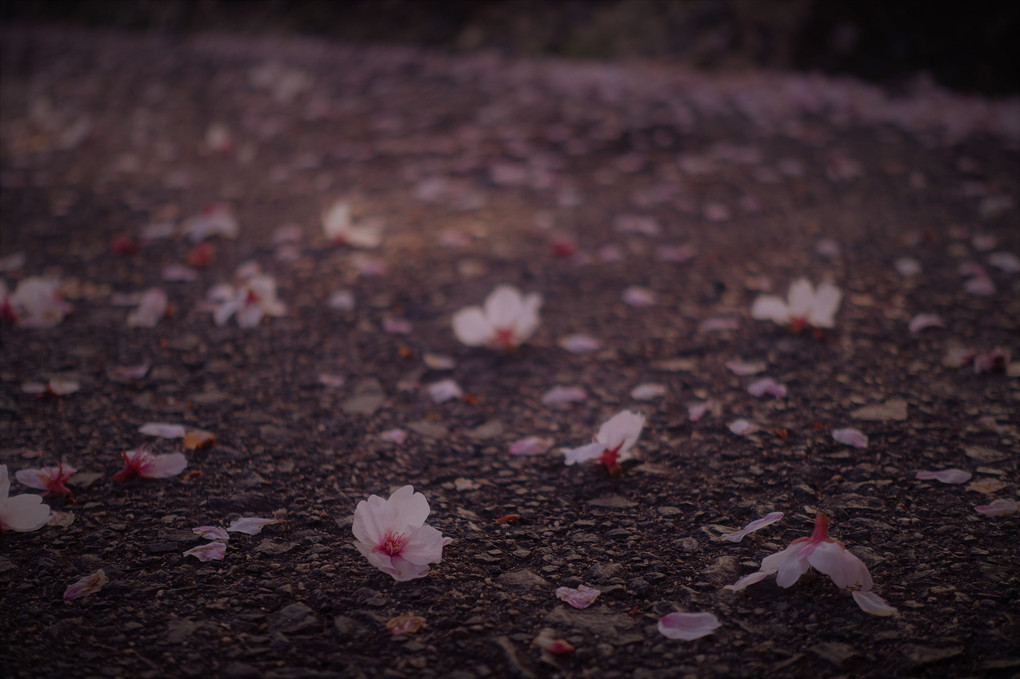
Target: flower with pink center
(507, 319)
(825, 555)
(393, 536)
(21, 513)
(35, 303)
(141, 462)
(612, 443)
(48, 479)
(254, 297)
(803, 306)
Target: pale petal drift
(803, 306)
(687, 626)
(211, 533)
(582, 597)
(742, 427)
(21, 513)
(952, 476)
(143, 463)
(753, 526)
(613, 442)
(48, 479)
(766, 385)
(393, 536)
(507, 320)
(1000, 507)
(825, 555)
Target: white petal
(748, 579)
(647, 392)
(873, 604)
(845, 569)
(444, 390)
(591, 451)
(23, 513)
(250, 525)
(742, 427)
(753, 526)
(532, 445)
(770, 308)
(621, 431)
(766, 385)
(472, 327)
(89, 584)
(164, 430)
(1000, 507)
(688, 626)
(907, 267)
(638, 297)
(953, 476)
(923, 321)
(744, 368)
(163, 466)
(850, 437)
(210, 551)
(424, 546)
(580, 343)
(211, 532)
(558, 395)
(503, 306)
(582, 597)
(410, 509)
(800, 298)
(825, 305)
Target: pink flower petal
(907, 267)
(743, 368)
(444, 390)
(647, 392)
(850, 437)
(559, 395)
(696, 411)
(747, 580)
(922, 321)
(250, 525)
(163, 466)
(873, 604)
(397, 436)
(753, 526)
(580, 344)
(164, 430)
(981, 286)
(638, 297)
(396, 326)
(90, 584)
(130, 372)
(210, 551)
(742, 427)
(954, 476)
(1000, 507)
(532, 445)
(211, 532)
(582, 597)
(688, 626)
(332, 381)
(766, 385)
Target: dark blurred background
(971, 46)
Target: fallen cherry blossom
(250, 525)
(408, 623)
(952, 476)
(216, 219)
(550, 643)
(339, 227)
(559, 395)
(252, 299)
(444, 390)
(582, 597)
(766, 385)
(89, 584)
(579, 343)
(638, 297)
(742, 427)
(211, 533)
(647, 391)
(850, 437)
(54, 387)
(923, 321)
(994, 361)
(752, 527)
(145, 464)
(1000, 507)
(152, 307)
(532, 445)
(393, 536)
(210, 551)
(804, 305)
(48, 479)
(687, 626)
(505, 321)
(35, 303)
(21, 513)
(744, 368)
(163, 430)
(613, 442)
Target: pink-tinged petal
(1000, 507)
(532, 445)
(744, 368)
(688, 626)
(747, 580)
(742, 427)
(397, 436)
(621, 431)
(59, 387)
(210, 551)
(675, 253)
(250, 525)
(130, 372)
(472, 327)
(559, 395)
(89, 584)
(23, 513)
(424, 546)
(396, 326)
(647, 392)
(958, 356)
(342, 300)
(696, 411)
(953, 476)
(151, 309)
(800, 298)
(981, 286)
(770, 308)
(791, 568)
(332, 381)
(719, 324)
(547, 641)
(828, 248)
(33, 387)
(410, 509)
(582, 597)
(845, 569)
(211, 532)
(766, 385)
(753, 526)
(873, 604)
(825, 305)
(579, 343)
(923, 321)
(444, 390)
(994, 361)
(503, 305)
(638, 297)
(402, 570)
(850, 437)
(592, 451)
(772, 562)
(163, 466)
(164, 430)
(249, 316)
(33, 478)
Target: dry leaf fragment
(199, 439)
(89, 584)
(408, 623)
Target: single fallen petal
(742, 427)
(982, 286)
(251, 525)
(559, 395)
(211, 532)
(532, 445)
(408, 623)
(696, 411)
(396, 326)
(1000, 507)
(638, 297)
(582, 597)
(439, 362)
(579, 344)
(744, 369)
(749, 579)
(164, 430)
(753, 526)
(210, 551)
(332, 381)
(953, 476)
(766, 385)
(547, 641)
(647, 392)
(90, 584)
(444, 390)
(873, 604)
(850, 437)
(923, 321)
(397, 436)
(130, 372)
(687, 626)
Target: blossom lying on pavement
(393, 536)
(825, 555)
(339, 228)
(48, 479)
(250, 300)
(612, 443)
(582, 597)
(21, 513)
(89, 584)
(687, 626)
(803, 306)
(141, 462)
(35, 303)
(507, 320)
(753, 526)
(163, 430)
(1000, 507)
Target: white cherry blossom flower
(612, 444)
(21, 513)
(393, 536)
(803, 306)
(250, 300)
(141, 462)
(152, 307)
(35, 303)
(48, 479)
(506, 321)
(340, 228)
